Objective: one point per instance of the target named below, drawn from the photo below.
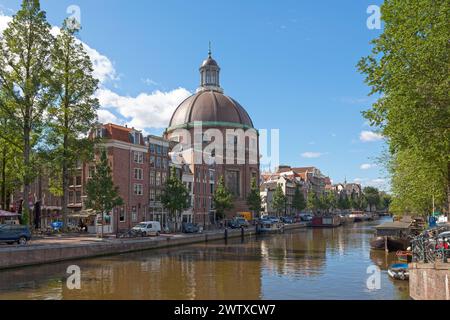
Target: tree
(343, 202)
(313, 202)
(408, 72)
(254, 198)
(299, 202)
(279, 200)
(175, 196)
(102, 195)
(373, 197)
(330, 201)
(24, 73)
(223, 199)
(74, 107)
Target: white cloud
(312, 155)
(370, 136)
(145, 110)
(368, 166)
(4, 20)
(103, 67)
(105, 116)
(150, 82)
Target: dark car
(190, 228)
(14, 234)
(287, 220)
(238, 223)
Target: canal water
(300, 264)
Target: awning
(6, 214)
(83, 214)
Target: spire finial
(210, 51)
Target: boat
(326, 222)
(399, 271)
(359, 216)
(404, 256)
(346, 219)
(392, 236)
(269, 226)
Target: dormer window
(135, 137)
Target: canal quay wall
(429, 281)
(22, 256)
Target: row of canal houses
(307, 179)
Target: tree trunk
(3, 195)
(65, 184)
(26, 180)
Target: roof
(120, 133)
(394, 225)
(211, 109)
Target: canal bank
(23, 256)
(307, 263)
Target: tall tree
(408, 71)
(279, 200)
(330, 200)
(73, 112)
(373, 197)
(223, 199)
(24, 73)
(254, 198)
(175, 196)
(298, 202)
(102, 195)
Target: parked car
(190, 228)
(148, 228)
(238, 222)
(11, 234)
(306, 217)
(287, 220)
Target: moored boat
(404, 256)
(392, 236)
(399, 271)
(268, 226)
(326, 222)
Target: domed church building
(204, 116)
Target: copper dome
(213, 109)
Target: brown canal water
(300, 264)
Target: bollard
(226, 234)
(242, 232)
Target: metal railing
(428, 247)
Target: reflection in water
(302, 264)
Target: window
(138, 174)
(158, 195)
(152, 177)
(165, 151)
(232, 182)
(135, 138)
(152, 161)
(158, 163)
(78, 197)
(91, 171)
(138, 157)
(122, 215)
(158, 179)
(78, 181)
(158, 149)
(134, 214)
(152, 148)
(164, 178)
(165, 164)
(71, 197)
(152, 195)
(138, 189)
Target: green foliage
(254, 198)
(372, 196)
(24, 73)
(102, 195)
(73, 111)
(279, 200)
(343, 202)
(223, 199)
(299, 202)
(408, 71)
(175, 196)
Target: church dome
(209, 105)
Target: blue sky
(291, 64)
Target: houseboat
(326, 222)
(392, 236)
(268, 226)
